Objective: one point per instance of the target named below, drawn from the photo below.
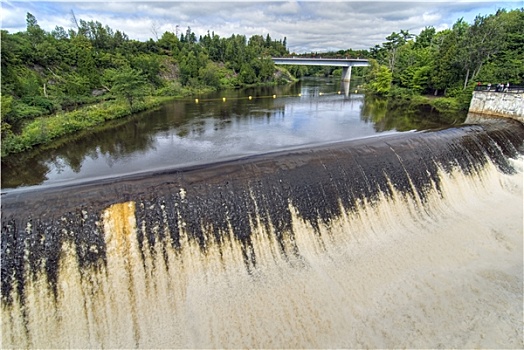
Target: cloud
(308, 25)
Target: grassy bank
(43, 130)
(454, 101)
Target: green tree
(247, 74)
(482, 41)
(169, 43)
(211, 75)
(267, 68)
(127, 83)
(149, 64)
(445, 73)
(379, 79)
(394, 42)
(507, 64)
(425, 38)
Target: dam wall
(498, 104)
(344, 245)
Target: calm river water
(249, 121)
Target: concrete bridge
(346, 63)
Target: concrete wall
(508, 105)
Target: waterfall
(411, 240)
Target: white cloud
(308, 25)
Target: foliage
(446, 104)
(128, 83)
(380, 78)
(450, 62)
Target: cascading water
(400, 241)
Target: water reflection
(386, 117)
(184, 132)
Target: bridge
(346, 63)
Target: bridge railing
(500, 88)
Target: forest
(56, 83)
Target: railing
(500, 88)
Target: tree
(247, 74)
(481, 41)
(149, 65)
(445, 73)
(394, 42)
(35, 33)
(380, 78)
(128, 83)
(210, 75)
(170, 43)
(267, 68)
(425, 38)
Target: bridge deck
(337, 62)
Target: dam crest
(290, 249)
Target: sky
(308, 26)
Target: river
(183, 132)
(308, 219)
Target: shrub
(446, 104)
(21, 111)
(41, 102)
(401, 93)
(171, 89)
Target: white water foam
(397, 273)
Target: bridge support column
(346, 73)
(346, 78)
(345, 87)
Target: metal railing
(500, 88)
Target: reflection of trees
(120, 138)
(129, 138)
(374, 109)
(15, 172)
(115, 139)
(387, 115)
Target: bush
(401, 93)
(41, 102)
(21, 110)
(337, 72)
(171, 89)
(446, 104)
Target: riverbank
(443, 104)
(43, 130)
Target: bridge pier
(344, 85)
(346, 79)
(346, 74)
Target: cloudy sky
(308, 25)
